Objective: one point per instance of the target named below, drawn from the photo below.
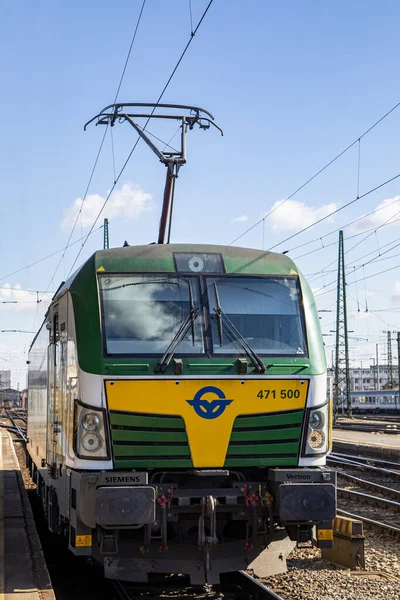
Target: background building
(365, 379)
(5, 379)
(10, 397)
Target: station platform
(23, 571)
(365, 443)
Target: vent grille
(153, 441)
(265, 440)
(149, 441)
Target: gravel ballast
(311, 578)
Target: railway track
(364, 463)
(235, 586)
(14, 427)
(378, 417)
(370, 499)
(391, 528)
(21, 431)
(380, 509)
(393, 494)
(368, 459)
(391, 428)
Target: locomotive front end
(200, 420)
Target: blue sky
(291, 83)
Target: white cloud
(294, 215)
(388, 209)
(17, 300)
(129, 202)
(241, 219)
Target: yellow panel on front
(208, 407)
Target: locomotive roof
(160, 258)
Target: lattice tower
(106, 243)
(390, 359)
(341, 395)
(396, 398)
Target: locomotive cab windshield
(143, 313)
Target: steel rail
(353, 463)
(258, 589)
(9, 428)
(245, 584)
(392, 528)
(365, 458)
(377, 428)
(391, 418)
(385, 502)
(369, 484)
(21, 432)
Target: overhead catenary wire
(341, 227)
(36, 262)
(318, 294)
(193, 33)
(351, 266)
(80, 210)
(144, 127)
(321, 273)
(14, 289)
(101, 144)
(333, 282)
(357, 140)
(371, 311)
(130, 50)
(369, 232)
(336, 211)
(350, 237)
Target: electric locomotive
(177, 411)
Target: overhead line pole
(342, 393)
(396, 399)
(377, 367)
(390, 359)
(106, 243)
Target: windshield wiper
(223, 319)
(180, 335)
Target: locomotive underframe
(197, 523)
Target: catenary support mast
(396, 400)
(106, 243)
(390, 359)
(342, 396)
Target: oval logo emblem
(209, 409)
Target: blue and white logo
(209, 409)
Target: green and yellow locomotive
(178, 419)
(177, 411)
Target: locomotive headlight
(90, 440)
(316, 419)
(317, 431)
(90, 422)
